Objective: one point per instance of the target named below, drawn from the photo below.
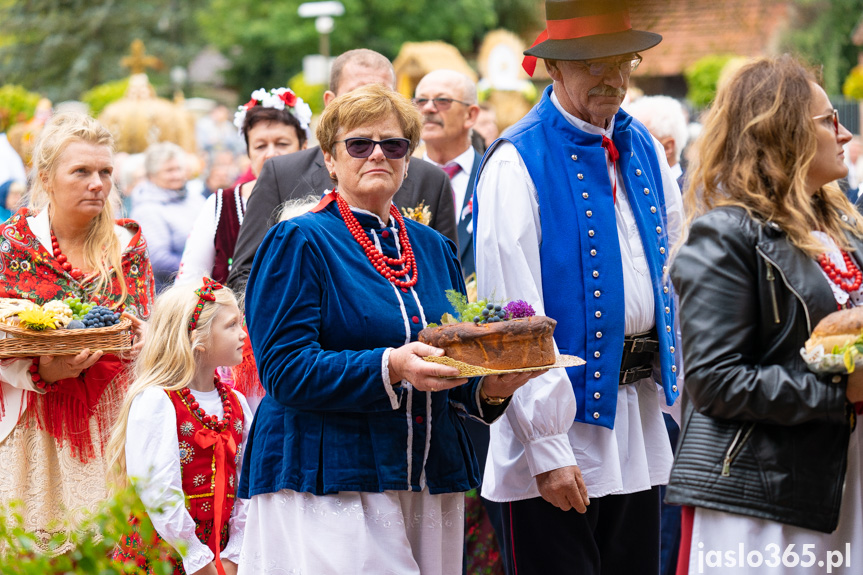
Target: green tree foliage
(100, 96)
(702, 78)
(64, 47)
(267, 40)
(820, 33)
(16, 105)
(312, 94)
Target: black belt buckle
(635, 374)
(647, 342)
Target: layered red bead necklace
(840, 277)
(383, 264)
(210, 421)
(62, 260)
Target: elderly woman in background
(165, 209)
(273, 124)
(358, 458)
(768, 456)
(56, 411)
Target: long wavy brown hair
(755, 152)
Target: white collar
(464, 160)
(581, 124)
(40, 225)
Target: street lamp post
(316, 67)
(323, 13)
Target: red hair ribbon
(204, 293)
(581, 27)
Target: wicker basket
(22, 342)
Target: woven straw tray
(22, 342)
(467, 370)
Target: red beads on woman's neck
(63, 261)
(383, 264)
(838, 277)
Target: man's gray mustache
(433, 120)
(607, 91)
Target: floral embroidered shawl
(29, 271)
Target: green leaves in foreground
(93, 542)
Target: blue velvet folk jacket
(320, 318)
(582, 274)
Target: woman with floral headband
(273, 124)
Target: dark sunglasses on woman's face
(392, 148)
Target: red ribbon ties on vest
(223, 442)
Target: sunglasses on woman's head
(392, 148)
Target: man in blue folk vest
(575, 211)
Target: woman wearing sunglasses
(358, 458)
(769, 464)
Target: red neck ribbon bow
(224, 442)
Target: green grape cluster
(473, 310)
(79, 308)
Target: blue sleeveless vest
(582, 273)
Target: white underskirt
(394, 532)
(724, 532)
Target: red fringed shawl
(29, 271)
(245, 375)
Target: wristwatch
(490, 400)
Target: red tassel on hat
(529, 62)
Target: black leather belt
(639, 351)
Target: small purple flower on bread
(518, 309)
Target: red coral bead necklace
(210, 421)
(839, 277)
(62, 260)
(383, 264)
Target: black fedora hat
(586, 30)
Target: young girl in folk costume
(181, 431)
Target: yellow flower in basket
(37, 319)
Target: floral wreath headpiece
(204, 293)
(280, 99)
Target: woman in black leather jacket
(767, 445)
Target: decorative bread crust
(513, 344)
(837, 329)
(846, 321)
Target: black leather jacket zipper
(736, 447)
(791, 289)
(772, 279)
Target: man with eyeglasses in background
(303, 173)
(575, 211)
(447, 100)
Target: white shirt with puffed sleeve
(538, 432)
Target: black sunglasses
(392, 148)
